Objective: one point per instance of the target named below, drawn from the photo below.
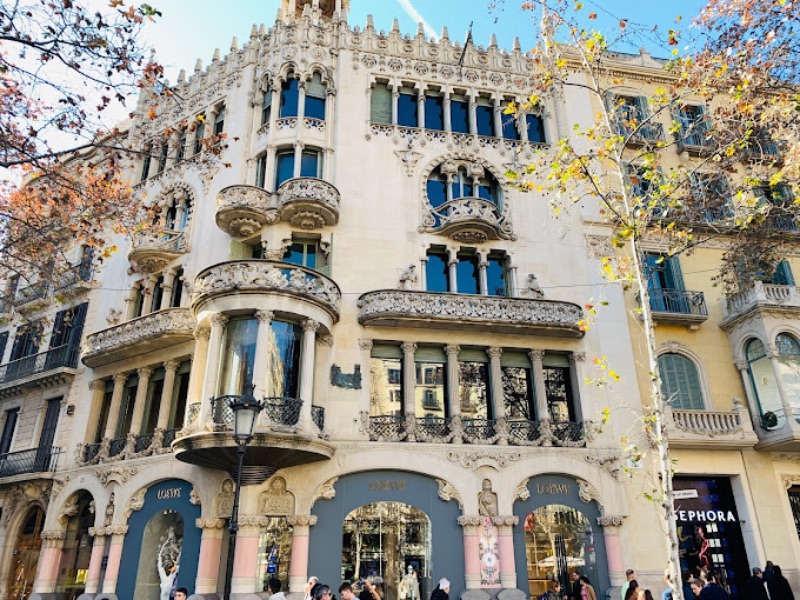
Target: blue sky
(192, 29)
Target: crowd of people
(364, 589)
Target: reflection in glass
(429, 392)
(381, 540)
(74, 565)
(558, 540)
(768, 397)
(437, 275)
(386, 391)
(159, 560)
(559, 394)
(284, 354)
(289, 98)
(496, 284)
(518, 393)
(275, 549)
(407, 109)
(238, 356)
(468, 274)
(789, 363)
(26, 556)
(473, 385)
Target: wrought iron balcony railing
(282, 412)
(318, 416)
(682, 302)
(35, 460)
(131, 446)
(60, 356)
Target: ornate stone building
(400, 308)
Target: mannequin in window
(409, 585)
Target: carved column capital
(97, 384)
(742, 365)
(219, 320)
(144, 372)
(494, 352)
(772, 353)
(608, 521)
(577, 357)
(536, 354)
(265, 316)
(210, 523)
(120, 378)
(452, 350)
(408, 347)
(505, 520)
(310, 325)
(202, 333)
(302, 520)
(171, 365)
(470, 520)
(365, 344)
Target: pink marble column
(96, 560)
(472, 561)
(245, 561)
(47, 572)
(298, 572)
(508, 571)
(114, 556)
(611, 525)
(210, 553)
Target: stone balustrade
(761, 295)
(308, 203)
(242, 210)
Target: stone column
(116, 405)
(774, 360)
(208, 560)
(421, 108)
(409, 385)
(140, 401)
(576, 360)
(165, 407)
(395, 100)
(505, 529)
(98, 388)
(744, 371)
(540, 393)
(472, 561)
(169, 283)
(306, 388)
(245, 561)
(473, 121)
(497, 113)
(298, 572)
(366, 360)
(483, 264)
(261, 362)
(114, 556)
(301, 107)
(298, 156)
(96, 560)
(453, 397)
(197, 375)
(496, 379)
(452, 264)
(448, 126)
(49, 561)
(616, 570)
(218, 322)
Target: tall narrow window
(9, 427)
(309, 164)
(27, 340)
(558, 388)
(266, 106)
(430, 396)
(66, 337)
(176, 294)
(138, 299)
(315, 98)
(199, 134)
(162, 157)
(381, 104)
(535, 126)
(146, 162)
(680, 383)
(484, 117)
(238, 356)
(153, 400)
(102, 421)
(434, 112)
(303, 253)
(127, 407)
(437, 274)
(284, 351)
(44, 453)
(219, 121)
(762, 379)
(261, 171)
(459, 114)
(180, 393)
(473, 386)
(496, 278)
(180, 150)
(386, 381)
(289, 98)
(437, 188)
(157, 295)
(3, 344)
(407, 108)
(516, 371)
(508, 124)
(284, 167)
(468, 273)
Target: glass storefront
(389, 543)
(160, 557)
(26, 556)
(558, 540)
(74, 565)
(275, 549)
(709, 531)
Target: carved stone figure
(487, 500)
(532, 288)
(276, 500)
(224, 500)
(409, 278)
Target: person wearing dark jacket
(755, 588)
(713, 591)
(442, 591)
(779, 588)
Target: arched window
(679, 382)
(177, 213)
(765, 388)
(290, 97)
(789, 362)
(451, 181)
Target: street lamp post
(245, 411)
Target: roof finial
(198, 66)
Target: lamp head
(245, 412)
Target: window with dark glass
(27, 340)
(484, 117)
(127, 407)
(462, 185)
(238, 356)
(386, 381)
(694, 125)
(289, 98)
(284, 351)
(517, 374)
(68, 327)
(266, 106)
(261, 171)
(437, 274)
(180, 150)
(558, 388)
(146, 162)
(496, 276)
(162, 157)
(407, 108)
(157, 295)
(315, 98)
(179, 395)
(199, 134)
(459, 114)
(153, 400)
(535, 126)
(508, 123)
(430, 395)
(176, 294)
(9, 427)
(303, 253)
(437, 188)
(102, 420)
(309, 165)
(434, 112)
(381, 104)
(138, 299)
(473, 384)
(468, 273)
(219, 121)
(714, 195)
(3, 343)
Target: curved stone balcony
(242, 210)
(152, 251)
(292, 282)
(470, 220)
(281, 438)
(762, 297)
(392, 308)
(308, 203)
(155, 331)
(706, 428)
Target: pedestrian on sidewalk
(779, 588)
(755, 588)
(630, 575)
(442, 591)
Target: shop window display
(160, 558)
(74, 565)
(389, 543)
(558, 540)
(26, 556)
(275, 546)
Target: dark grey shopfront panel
(358, 489)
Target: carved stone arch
(464, 158)
(21, 498)
(263, 80)
(283, 73)
(783, 327)
(166, 195)
(743, 338)
(325, 74)
(72, 489)
(675, 347)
